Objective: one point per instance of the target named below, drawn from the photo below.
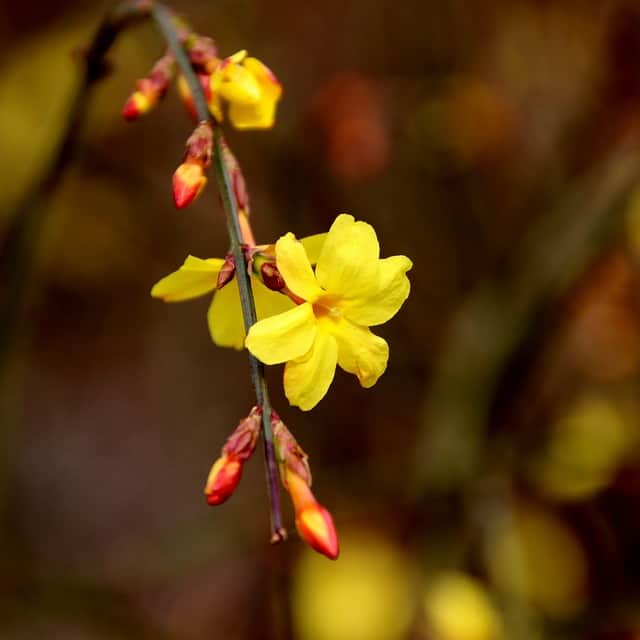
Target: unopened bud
(226, 471)
(223, 479)
(151, 89)
(271, 277)
(292, 458)
(200, 144)
(226, 273)
(313, 521)
(188, 182)
(187, 99)
(137, 105)
(203, 53)
(242, 441)
(315, 526)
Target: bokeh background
(488, 487)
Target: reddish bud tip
(188, 182)
(136, 105)
(223, 478)
(315, 525)
(271, 276)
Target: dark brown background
(494, 143)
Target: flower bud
(226, 273)
(271, 276)
(226, 471)
(151, 89)
(223, 478)
(137, 105)
(188, 182)
(203, 53)
(290, 454)
(313, 521)
(315, 526)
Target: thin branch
(165, 22)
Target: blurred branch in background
(503, 314)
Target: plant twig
(164, 20)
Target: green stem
(165, 22)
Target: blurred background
(488, 487)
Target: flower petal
(348, 264)
(226, 325)
(360, 352)
(383, 304)
(283, 337)
(307, 379)
(194, 278)
(237, 84)
(313, 246)
(261, 115)
(295, 268)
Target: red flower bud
(223, 478)
(188, 182)
(313, 521)
(136, 105)
(315, 526)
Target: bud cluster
(313, 521)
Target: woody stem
(164, 20)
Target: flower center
(327, 307)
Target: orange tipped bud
(315, 526)
(136, 105)
(188, 182)
(150, 89)
(223, 478)
(226, 471)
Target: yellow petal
(360, 352)
(385, 302)
(348, 264)
(270, 87)
(313, 246)
(307, 379)
(226, 325)
(238, 85)
(194, 278)
(268, 302)
(258, 110)
(260, 115)
(283, 337)
(295, 268)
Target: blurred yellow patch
(535, 557)
(585, 449)
(365, 595)
(457, 607)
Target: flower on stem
(350, 290)
(249, 87)
(151, 89)
(189, 178)
(226, 471)
(197, 277)
(313, 521)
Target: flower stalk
(165, 22)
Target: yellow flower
(351, 290)
(251, 89)
(197, 277)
